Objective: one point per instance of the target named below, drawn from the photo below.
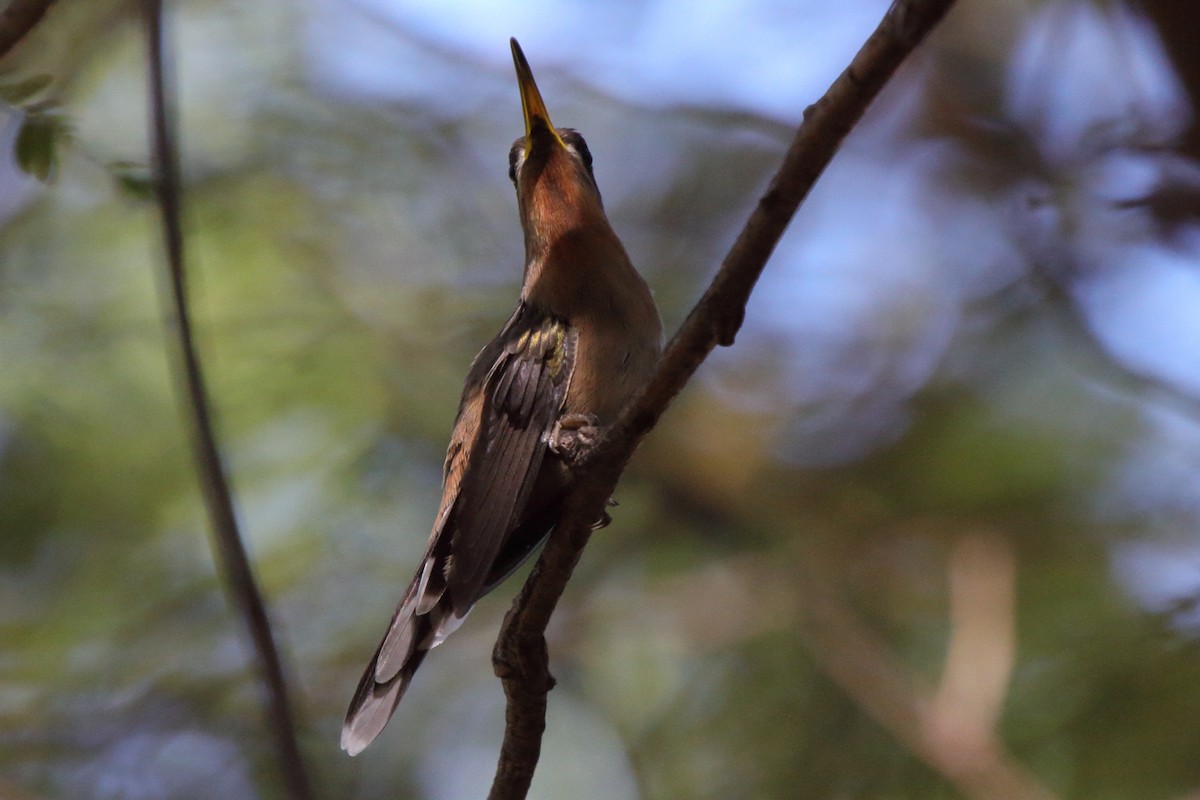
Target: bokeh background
(934, 514)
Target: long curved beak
(532, 105)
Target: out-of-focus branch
(520, 656)
(17, 19)
(960, 718)
(218, 498)
(950, 727)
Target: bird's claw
(573, 436)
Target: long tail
(422, 621)
(425, 617)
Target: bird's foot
(605, 518)
(574, 436)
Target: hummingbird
(584, 337)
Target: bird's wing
(522, 397)
(514, 392)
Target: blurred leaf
(28, 494)
(38, 141)
(16, 93)
(134, 178)
(351, 253)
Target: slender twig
(520, 656)
(230, 552)
(17, 19)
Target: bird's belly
(610, 366)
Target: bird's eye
(585, 155)
(578, 146)
(515, 156)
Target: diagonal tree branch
(218, 498)
(520, 658)
(17, 19)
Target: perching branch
(17, 19)
(218, 499)
(520, 657)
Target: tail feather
(426, 616)
(397, 645)
(413, 620)
(420, 623)
(374, 703)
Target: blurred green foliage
(347, 258)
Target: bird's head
(550, 167)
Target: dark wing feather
(514, 393)
(523, 396)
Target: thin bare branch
(230, 552)
(17, 19)
(520, 657)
